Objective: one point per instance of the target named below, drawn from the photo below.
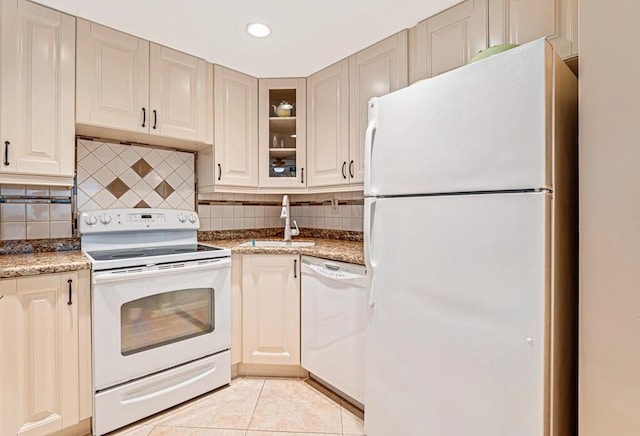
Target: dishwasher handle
(330, 273)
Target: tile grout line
(341, 418)
(256, 406)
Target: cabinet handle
(295, 268)
(155, 119)
(144, 117)
(302, 174)
(344, 166)
(219, 171)
(351, 169)
(6, 152)
(69, 303)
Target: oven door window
(166, 318)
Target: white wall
(610, 218)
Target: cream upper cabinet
(521, 21)
(282, 133)
(236, 129)
(271, 309)
(328, 126)
(37, 106)
(40, 360)
(113, 78)
(449, 39)
(178, 97)
(142, 91)
(373, 72)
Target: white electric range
(161, 312)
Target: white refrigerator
(470, 243)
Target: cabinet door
(271, 309)
(113, 79)
(9, 365)
(44, 346)
(282, 139)
(38, 88)
(236, 128)
(328, 134)
(178, 94)
(373, 72)
(449, 39)
(521, 21)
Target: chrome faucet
(284, 214)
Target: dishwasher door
(334, 320)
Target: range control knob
(192, 219)
(105, 219)
(182, 218)
(90, 220)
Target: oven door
(152, 318)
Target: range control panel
(125, 220)
(146, 218)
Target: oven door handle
(158, 270)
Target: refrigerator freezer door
(457, 339)
(483, 127)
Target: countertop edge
(353, 255)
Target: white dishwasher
(334, 321)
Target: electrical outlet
(334, 205)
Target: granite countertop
(18, 265)
(19, 261)
(332, 249)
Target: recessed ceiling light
(258, 30)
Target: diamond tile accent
(118, 188)
(158, 178)
(142, 167)
(164, 190)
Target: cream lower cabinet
(522, 21)
(449, 39)
(236, 308)
(38, 83)
(271, 309)
(45, 373)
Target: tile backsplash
(113, 176)
(225, 211)
(35, 212)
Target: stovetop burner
(128, 253)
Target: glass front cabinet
(282, 133)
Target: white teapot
(283, 109)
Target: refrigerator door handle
(370, 212)
(369, 140)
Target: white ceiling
(306, 35)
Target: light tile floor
(257, 407)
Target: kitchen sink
(292, 244)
